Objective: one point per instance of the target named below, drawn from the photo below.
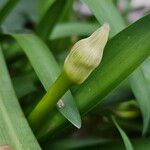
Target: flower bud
(86, 55)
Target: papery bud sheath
(86, 55)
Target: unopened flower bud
(86, 55)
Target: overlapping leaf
(14, 129)
(113, 17)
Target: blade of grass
(67, 12)
(140, 87)
(73, 29)
(47, 70)
(14, 130)
(125, 138)
(113, 17)
(63, 44)
(120, 94)
(123, 53)
(43, 7)
(146, 68)
(23, 85)
(6, 9)
(105, 11)
(50, 18)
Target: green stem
(43, 108)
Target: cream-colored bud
(86, 55)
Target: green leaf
(43, 6)
(24, 12)
(113, 17)
(138, 144)
(50, 18)
(42, 59)
(120, 94)
(119, 60)
(105, 11)
(146, 69)
(67, 12)
(140, 87)
(73, 29)
(6, 9)
(23, 85)
(123, 53)
(14, 129)
(125, 138)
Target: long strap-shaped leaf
(6, 9)
(70, 29)
(140, 87)
(47, 70)
(50, 18)
(105, 11)
(43, 6)
(14, 129)
(123, 53)
(125, 138)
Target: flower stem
(43, 108)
